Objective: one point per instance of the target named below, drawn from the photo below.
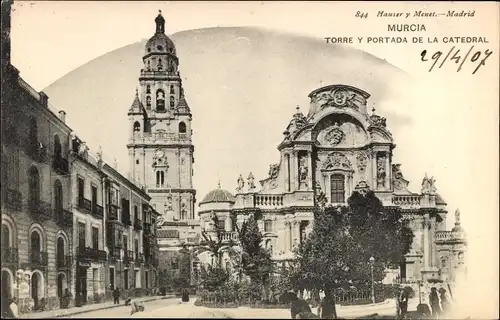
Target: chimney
(62, 116)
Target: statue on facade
(428, 185)
(274, 170)
(334, 135)
(381, 172)
(99, 154)
(303, 170)
(241, 184)
(251, 182)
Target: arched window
(60, 251)
(172, 90)
(337, 188)
(160, 100)
(182, 127)
(172, 101)
(57, 147)
(58, 197)
(34, 187)
(148, 102)
(6, 236)
(443, 262)
(160, 66)
(137, 126)
(148, 89)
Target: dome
(160, 43)
(218, 195)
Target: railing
(64, 261)
(36, 151)
(98, 211)
(41, 210)
(64, 217)
(10, 255)
(163, 137)
(92, 254)
(85, 204)
(165, 73)
(137, 224)
(114, 253)
(411, 201)
(39, 258)
(229, 235)
(139, 257)
(263, 200)
(13, 199)
(60, 165)
(112, 212)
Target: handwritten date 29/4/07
(478, 58)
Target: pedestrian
(298, 306)
(444, 300)
(403, 302)
(185, 295)
(434, 302)
(116, 296)
(326, 309)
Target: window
(160, 179)
(148, 102)
(460, 258)
(160, 100)
(136, 212)
(94, 199)
(95, 238)
(33, 131)
(136, 246)
(34, 187)
(81, 190)
(172, 90)
(125, 278)
(125, 244)
(137, 279)
(443, 262)
(58, 197)
(57, 147)
(160, 66)
(337, 188)
(268, 226)
(172, 101)
(182, 127)
(221, 224)
(137, 126)
(5, 236)
(136, 161)
(148, 89)
(112, 277)
(81, 236)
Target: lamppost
(372, 262)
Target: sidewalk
(57, 313)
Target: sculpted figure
(241, 183)
(251, 182)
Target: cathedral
(340, 146)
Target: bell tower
(160, 146)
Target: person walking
(444, 300)
(403, 302)
(434, 302)
(116, 296)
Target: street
(124, 311)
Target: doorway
(81, 285)
(6, 285)
(36, 288)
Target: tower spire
(160, 23)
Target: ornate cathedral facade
(338, 148)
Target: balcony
(97, 211)
(126, 219)
(137, 224)
(139, 258)
(36, 151)
(38, 258)
(128, 257)
(92, 254)
(13, 199)
(64, 262)
(64, 218)
(10, 255)
(40, 210)
(60, 165)
(114, 253)
(112, 212)
(85, 205)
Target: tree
(337, 252)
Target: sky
(454, 115)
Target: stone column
(178, 156)
(374, 170)
(388, 171)
(328, 187)
(296, 170)
(286, 168)
(309, 172)
(143, 167)
(287, 235)
(131, 156)
(426, 246)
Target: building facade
(161, 148)
(339, 147)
